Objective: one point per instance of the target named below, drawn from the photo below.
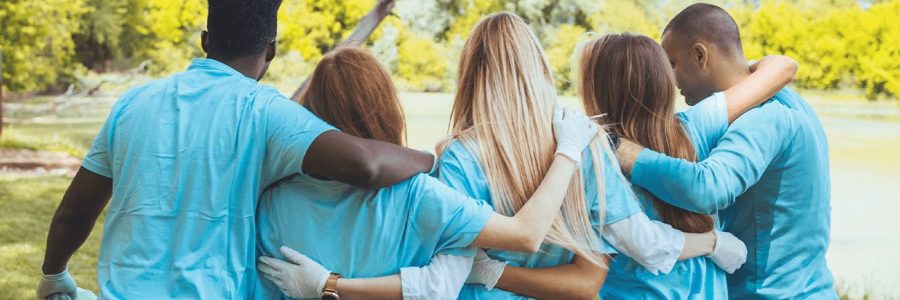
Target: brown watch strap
(331, 283)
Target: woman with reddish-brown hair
(371, 233)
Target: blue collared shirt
(189, 155)
(768, 179)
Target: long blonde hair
(502, 113)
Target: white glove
(57, 286)
(730, 252)
(299, 277)
(574, 131)
(485, 270)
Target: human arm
(360, 34)
(580, 279)
(72, 223)
(768, 76)
(737, 162)
(363, 162)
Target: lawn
(26, 207)
(859, 135)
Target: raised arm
(360, 34)
(72, 224)
(769, 75)
(362, 162)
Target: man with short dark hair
(184, 159)
(767, 177)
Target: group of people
(222, 188)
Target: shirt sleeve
(738, 161)
(290, 130)
(99, 158)
(443, 278)
(707, 121)
(654, 245)
(452, 216)
(618, 201)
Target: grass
(26, 207)
(28, 203)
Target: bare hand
(627, 154)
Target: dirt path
(26, 162)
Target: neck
(248, 66)
(731, 72)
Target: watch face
(330, 296)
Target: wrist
(711, 238)
(53, 270)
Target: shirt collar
(208, 64)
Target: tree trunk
(360, 34)
(1, 93)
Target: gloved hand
(299, 277)
(729, 253)
(573, 131)
(485, 270)
(57, 286)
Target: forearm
(697, 244)
(362, 162)
(654, 245)
(387, 287)
(569, 281)
(768, 76)
(702, 187)
(74, 219)
(526, 230)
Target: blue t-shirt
(696, 278)
(188, 156)
(768, 179)
(462, 170)
(363, 233)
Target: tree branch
(360, 34)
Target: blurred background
(64, 62)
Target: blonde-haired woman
(501, 145)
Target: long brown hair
(502, 113)
(629, 78)
(352, 91)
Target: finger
(274, 279)
(275, 263)
(293, 255)
(267, 270)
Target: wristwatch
(330, 290)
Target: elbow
(527, 242)
(791, 67)
(364, 169)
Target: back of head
(241, 28)
(708, 24)
(628, 78)
(352, 91)
(503, 108)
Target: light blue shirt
(462, 170)
(363, 233)
(188, 156)
(768, 179)
(696, 278)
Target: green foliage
(839, 43)
(36, 44)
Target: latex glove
(485, 270)
(573, 131)
(729, 253)
(57, 286)
(299, 277)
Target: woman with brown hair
(628, 79)
(371, 233)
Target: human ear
(204, 41)
(270, 51)
(700, 54)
